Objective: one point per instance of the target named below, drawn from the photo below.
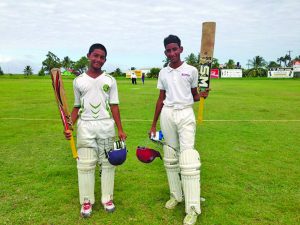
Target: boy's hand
(122, 135)
(205, 93)
(152, 132)
(68, 134)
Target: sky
(133, 30)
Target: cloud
(133, 30)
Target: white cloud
(133, 30)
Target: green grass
(249, 145)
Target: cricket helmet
(146, 155)
(117, 155)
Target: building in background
(137, 72)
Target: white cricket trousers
(93, 139)
(181, 161)
(178, 127)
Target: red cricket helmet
(146, 155)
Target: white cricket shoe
(190, 218)
(86, 208)
(171, 203)
(109, 206)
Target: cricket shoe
(190, 218)
(109, 206)
(171, 203)
(86, 209)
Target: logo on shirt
(105, 87)
(185, 75)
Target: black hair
(97, 46)
(172, 39)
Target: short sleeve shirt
(94, 95)
(178, 83)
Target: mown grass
(249, 145)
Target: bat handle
(201, 107)
(74, 152)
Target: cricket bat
(61, 100)
(205, 61)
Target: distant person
(96, 95)
(133, 78)
(178, 91)
(143, 78)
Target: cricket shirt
(94, 95)
(178, 83)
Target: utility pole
(289, 51)
(248, 64)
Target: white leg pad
(173, 172)
(107, 181)
(189, 161)
(86, 174)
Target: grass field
(249, 145)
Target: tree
(52, 61)
(280, 60)
(1, 71)
(215, 63)
(117, 73)
(297, 58)
(192, 60)
(258, 62)
(153, 73)
(230, 64)
(67, 63)
(287, 60)
(81, 65)
(273, 64)
(28, 70)
(41, 72)
(258, 67)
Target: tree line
(256, 67)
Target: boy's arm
(117, 118)
(74, 117)
(158, 108)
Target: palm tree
(28, 70)
(280, 60)
(258, 63)
(287, 60)
(67, 63)
(230, 64)
(272, 65)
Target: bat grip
(74, 152)
(201, 107)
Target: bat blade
(205, 61)
(61, 101)
(60, 97)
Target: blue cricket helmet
(117, 155)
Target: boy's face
(173, 51)
(97, 58)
